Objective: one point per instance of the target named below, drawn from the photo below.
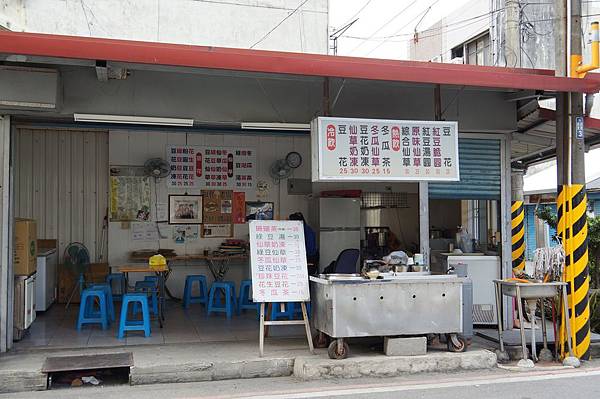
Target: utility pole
(571, 198)
(512, 52)
(512, 42)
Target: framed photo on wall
(258, 210)
(185, 209)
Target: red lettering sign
(199, 164)
(331, 137)
(396, 138)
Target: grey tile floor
(56, 328)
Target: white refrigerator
(337, 224)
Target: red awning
(43, 45)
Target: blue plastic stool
(245, 301)
(126, 324)
(154, 278)
(298, 309)
(120, 279)
(276, 312)
(229, 305)
(189, 285)
(150, 289)
(110, 305)
(94, 317)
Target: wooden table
(218, 264)
(162, 274)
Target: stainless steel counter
(401, 305)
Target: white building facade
(286, 25)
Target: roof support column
(424, 188)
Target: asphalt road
(572, 384)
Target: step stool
(120, 279)
(230, 301)
(245, 300)
(189, 285)
(95, 317)
(110, 305)
(126, 324)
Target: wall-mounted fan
(283, 168)
(157, 168)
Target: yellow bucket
(157, 262)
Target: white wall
(238, 24)
(451, 31)
(11, 14)
(135, 147)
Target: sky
(378, 19)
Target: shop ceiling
(220, 87)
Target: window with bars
(384, 200)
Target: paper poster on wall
(142, 231)
(129, 198)
(384, 150)
(239, 208)
(217, 206)
(183, 233)
(278, 259)
(212, 167)
(162, 212)
(217, 230)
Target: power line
(385, 24)
(477, 17)
(422, 13)
(280, 22)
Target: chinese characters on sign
(278, 259)
(211, 167)
(377, 149)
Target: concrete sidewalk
(195, 362)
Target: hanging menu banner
(384, 150)
(212, 167)
(278, 259)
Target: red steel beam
(137, 52)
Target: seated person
(310, 242)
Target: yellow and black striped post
(518, 237)
(572, 229)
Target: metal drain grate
(87, 362)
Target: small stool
(276, 312)
(245, 301)
(228, 289)
(154, 278)
(149, 288)
(110, 305)
(189, 285)
(92, 316)
(298, 309)
(120, 278)
(125, 324)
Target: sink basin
(532, 290)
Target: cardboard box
(25, 254)
(67, 278)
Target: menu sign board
(278, 260)
(384, 150)
(212, 167)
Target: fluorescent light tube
(133, 120)
(275, 126)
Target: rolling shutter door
(480, 172)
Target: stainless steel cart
(346, 306)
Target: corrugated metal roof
(71, 47)
(536, 137)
